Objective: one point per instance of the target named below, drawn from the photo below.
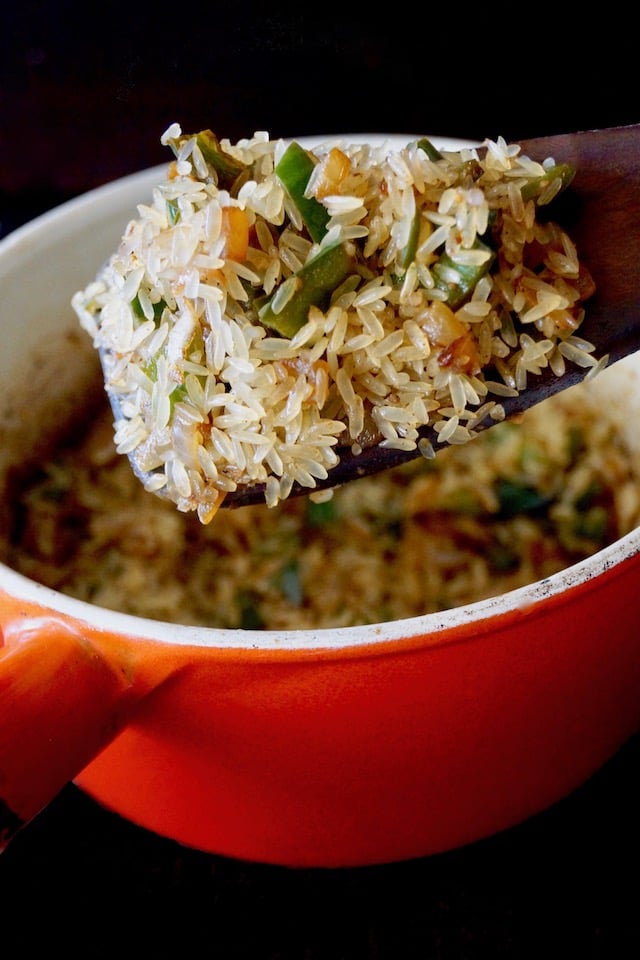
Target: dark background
(85, 93)
(86, 90)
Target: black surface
(85, 96)
(82, 882)
(83, 102)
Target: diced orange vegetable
(333, 170)
(441, 325)
(444, 329)
(461, 356)
(235, 228)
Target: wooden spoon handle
(601, 213)
(61, 702)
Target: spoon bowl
(600, 212)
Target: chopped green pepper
(469, 274)
(534, 188)
(227, 169)
(315, 282)
(173, 212)
(178, 393)
(518, 498)
(319, 514)
(408, 252)
(158, 309)
(427, 147)
(294, 169)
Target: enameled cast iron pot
(327, 748)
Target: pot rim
(436, 628)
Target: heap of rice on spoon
(274, 306)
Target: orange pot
(326, 748)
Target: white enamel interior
(43, 263)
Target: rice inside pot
(516, 504)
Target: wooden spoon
(601, 213)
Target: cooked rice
(211, 398)
(517, 504)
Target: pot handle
(61, 702)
